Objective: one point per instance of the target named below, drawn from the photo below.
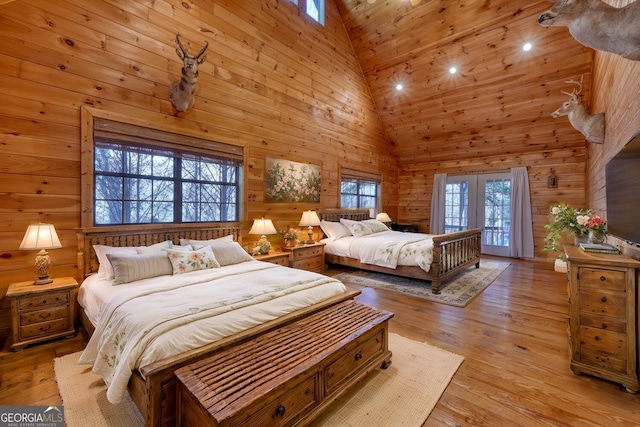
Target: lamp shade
(309, 219)
(40, 236)
(263, 227)
(383, 217)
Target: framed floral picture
(288, 181)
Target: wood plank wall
(274, 82)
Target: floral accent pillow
(375, 225)
(186, 261)
(357, 228)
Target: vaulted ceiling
(501, 98)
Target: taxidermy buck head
(182, 91)
(598, 25)
(590, 125)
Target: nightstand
(280, 258)
(42, 312)
(307, 257)
(411, 228)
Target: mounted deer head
(182, 91)
(590, 125)
(598, 25)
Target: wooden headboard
(88, 261)
(334, 214)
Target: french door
(481, 201)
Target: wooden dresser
(603, 315)
(42, 312)
(307, 257)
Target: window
(141, 177)
(358, 190)
(315, 9)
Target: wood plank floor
(513, 337)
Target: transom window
(313, 8)
(159, 182)
(359, 191)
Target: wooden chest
(287, 376)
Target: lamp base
(43, 281)
(310, 234)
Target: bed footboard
(453, 253)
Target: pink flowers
(596, 223)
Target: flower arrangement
(564, 219)
(290, 236)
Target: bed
(151, 381)
(449, 254)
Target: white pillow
(357, 228)
(334, 230)
(228, 238)
(102, 251)
(228, 253)
(375, 225)
(129, 268)
(154, 248)
(186, 261)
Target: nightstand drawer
(43, 300)
(311, 264)
(310, 252)
(37, 316)
(44, 328)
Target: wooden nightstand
(42, 312)
(280, 258)
(307, 257)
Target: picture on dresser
(287, 181)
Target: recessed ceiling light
(527, 47)
(399, 86)
(453, 70)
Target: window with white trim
(359, 190)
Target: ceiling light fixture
(527, 47)
(399, 86)
(453, 70)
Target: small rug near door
(404, 394)
(459, 290)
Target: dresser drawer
(601, 322)
(37, 316)
(357, 354)
(44, 328)
(310, 252)
(43, 300)
(604, 302)
(606, 349)
(602, 278)
(282, 408)
(312, 264)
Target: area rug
(458, 291)
(404, 394)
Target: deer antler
(182, 54)
(574, 92)
(201, 60)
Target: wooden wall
(274, 82)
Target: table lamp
(263, 227)
(384, 218)
(41, 236)
(309, 219)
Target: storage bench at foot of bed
(287, 376)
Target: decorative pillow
(228, 238)
(129, 268)
(186, 261)
(375, 225)
(334, 230)
(154, 248)
(228, 253)
(102, 251)
(357, 228)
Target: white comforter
(386, 249)
(153, 319)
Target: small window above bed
(359, 190)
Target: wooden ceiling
(501, 99)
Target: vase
(580, 238)
(290, 244)
(596, 236)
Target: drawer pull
(604, 326)
(280, 410)
(358, 355)
(602, 278)
(44, 316)
(603, 299)
(45, 328)
(597, 338)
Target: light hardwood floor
(513, 337)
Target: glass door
(481, 201)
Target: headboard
(334, 214)
(88, 261)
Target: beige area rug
(459, 290)
(404, 394)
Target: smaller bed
(443, 255)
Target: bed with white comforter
(148, 320)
